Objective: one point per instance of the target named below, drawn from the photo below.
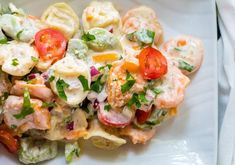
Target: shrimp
(173, 86)
(39, 91)
(186, 52)
(117, 77)
(137, 135)
(142, 18)
(39, 119)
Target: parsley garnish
(178, 49)
(48, 105)
(142, 98)
(88, 37)
(143, 37)
(84, 82)
(60, 86)
(185, 66)
(27, 108)
(128, 85)
(4, 41)
(34, 59)
(97, 86)
(18, 34)
(102, 67)
(13, 126)
(51, 78)
(157, 91)
(107, 107)
(134, 101)
(14, 62)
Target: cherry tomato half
(142, 116)
(9, 141)
(152, 63)
(51, 44)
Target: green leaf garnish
(178, 49)
(18, 34)
(97, 86)
(60, 86)
(13, 126)
(51, 78)
(88, 37)
(129, 83)
(84, 82)
(27, 108)
(15, 62)
(157, 91)
(48, 105)
(143, 37)
(103, 67)
(142, 98)
(185, 66)
(34, 59)
(4, 41)
(134, 101)
(107, 107)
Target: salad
(106, 80)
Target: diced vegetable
(27, 108)
(155, 119)
(130, 81)
(84, 82)
(105, 57)
(72, 150)
(143, 37)
(8, 140)
(185, 66)
(60, 86)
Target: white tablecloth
(226, 75)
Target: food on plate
(103, 15)
(61, 17)
(186, 53)
(105, 82)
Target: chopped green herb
(72, 150)
(107, 107)
(60, 86)
(157, 91)
(185, 66)
(129, 84)
(134, 101)
(3, 97)
(4, 41)
(178, 49)
(48, 105)
(13, 126)
(84, 82)
(97, 86)
(88, 37)
(142, 98)
(107, 65)
(18, 34)
(34, 59)
(51, 78)
(15, 62)
(143, 37)
(27, 108)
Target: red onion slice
(94, 71)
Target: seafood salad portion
(106, 80)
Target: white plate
(191, 137)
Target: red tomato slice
(114, 118)
(9, 141)
(153, 64)
(142, 116)
(51, 44)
